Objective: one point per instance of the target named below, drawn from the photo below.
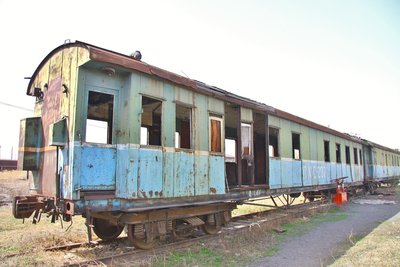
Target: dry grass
(379, 248)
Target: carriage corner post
(341, 195)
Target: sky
(336, 63)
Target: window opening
(231, 124)
(230, 150)
(260, 148)
(150, 131)
(355, 156)
(246, 140)
(215, 134)
(361, 159)
(296, 145)
(99, 122)
(327, 156)
(183, 127)
(347, 149)
(338, 154)
(273, 142)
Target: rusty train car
(127, 144)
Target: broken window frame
(327, 154)
(296, 156)
(246, 139)
(274, 153)
(229, 144)
(144, 127)
(178, 134)
(338, 151)
(111, 121)
(347, 153)
(355, 152)
(220, 120)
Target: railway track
(238, 223)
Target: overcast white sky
(333, 62)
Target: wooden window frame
(222, 133)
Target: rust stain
(213, 190)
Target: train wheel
(210, 225)
(105, 230)
(140, 236)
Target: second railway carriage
(124, 143)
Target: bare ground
(323, 244)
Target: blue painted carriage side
(286, 172)
(97, 168)
(183, 174)
(334, 172)
(275, 173)
(307, 173)
(201, 175)
(216, 172)
(150, 180)
(127, 172)
(168, 173)
(297, 173)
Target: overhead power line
(15, 106)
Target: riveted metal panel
(150, 172)
(201, 175)
(183, 174)
(217, 175)
(98, 168)
(275, 173)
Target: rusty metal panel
(98, 167)
(168, 174)
(150, 170)
(127, 171)
(30, 143)
(216, 174)
(183, 174)
(201, 175)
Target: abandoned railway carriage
(125, 143)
